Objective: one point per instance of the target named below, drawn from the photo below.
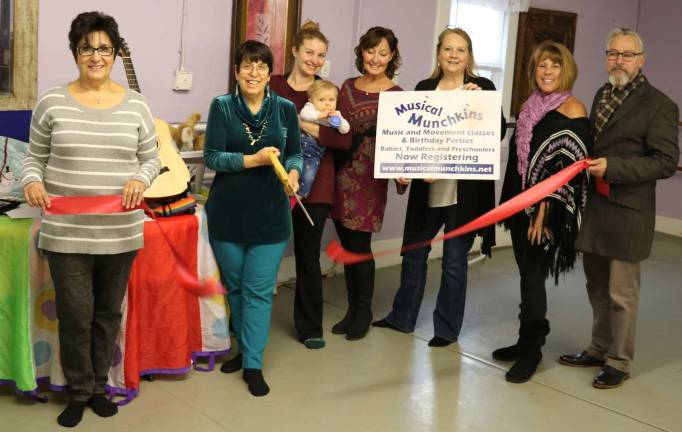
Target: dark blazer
(640, 143)
(474, 197)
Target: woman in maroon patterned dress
(360, 199)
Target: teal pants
(249, 273)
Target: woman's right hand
(36, 195)
(260, 158)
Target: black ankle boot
(360, 325)
(341, 327)
(523, 369)
(507, 354)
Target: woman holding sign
(551, 133)
(434, 204)
(360, 199)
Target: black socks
(257, 385)
(232, 365)
(438, 341)
(72, 414)
(102, 406)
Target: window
(487, 28)
(5, 46)
(18, 53)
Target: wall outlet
(326, 69)
(183, 80)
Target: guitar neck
(130, 73)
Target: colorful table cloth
(164, 329)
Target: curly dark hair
(372, 38)
(90, 22)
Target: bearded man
(635, 144)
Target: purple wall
(660, 27)
(152, 31)
(155, 42)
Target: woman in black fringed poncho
(552, 132)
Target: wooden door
(536, 26)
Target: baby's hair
(319, 85)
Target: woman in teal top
(249, 219)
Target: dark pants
(308, 298)
(89, 292)
(532, 264)
(360, 276)
(449, 312)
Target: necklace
(253, 140)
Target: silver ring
(137, 190)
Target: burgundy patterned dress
(359, 198)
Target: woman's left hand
(293, 181)
(132, 193)
(403, 181)
(471, 86)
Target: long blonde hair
(471, 65)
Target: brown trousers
(613, 289)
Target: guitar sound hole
(163, 170)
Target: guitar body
(174, 177)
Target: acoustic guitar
(174, 177)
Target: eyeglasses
(628, 56)
(88, 51)
(261, 68)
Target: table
(164, 329)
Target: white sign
(438, 134)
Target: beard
(619, 79)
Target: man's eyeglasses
(105, 51)
(261, 68)
(628, 56)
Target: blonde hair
(309, 30)
(471, 65)
(558, 53)
(320, 85)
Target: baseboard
(668, 225)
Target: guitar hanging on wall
(174, 177)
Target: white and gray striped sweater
(75, 150)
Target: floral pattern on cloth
(360, 199)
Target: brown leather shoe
(581, 359)
(609, 377)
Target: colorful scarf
(536, 107)
(611, 99)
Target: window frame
(23, 85)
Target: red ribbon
(107, 204)
(523, 200)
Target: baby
(320, 109)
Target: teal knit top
(250, 206)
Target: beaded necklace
(253, 140)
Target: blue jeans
(249, 273)
(449, 312)
(312, 155)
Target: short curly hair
(90, 22)
(372, 38)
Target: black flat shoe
(507, 354)
(581, 359)
(609, 377)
